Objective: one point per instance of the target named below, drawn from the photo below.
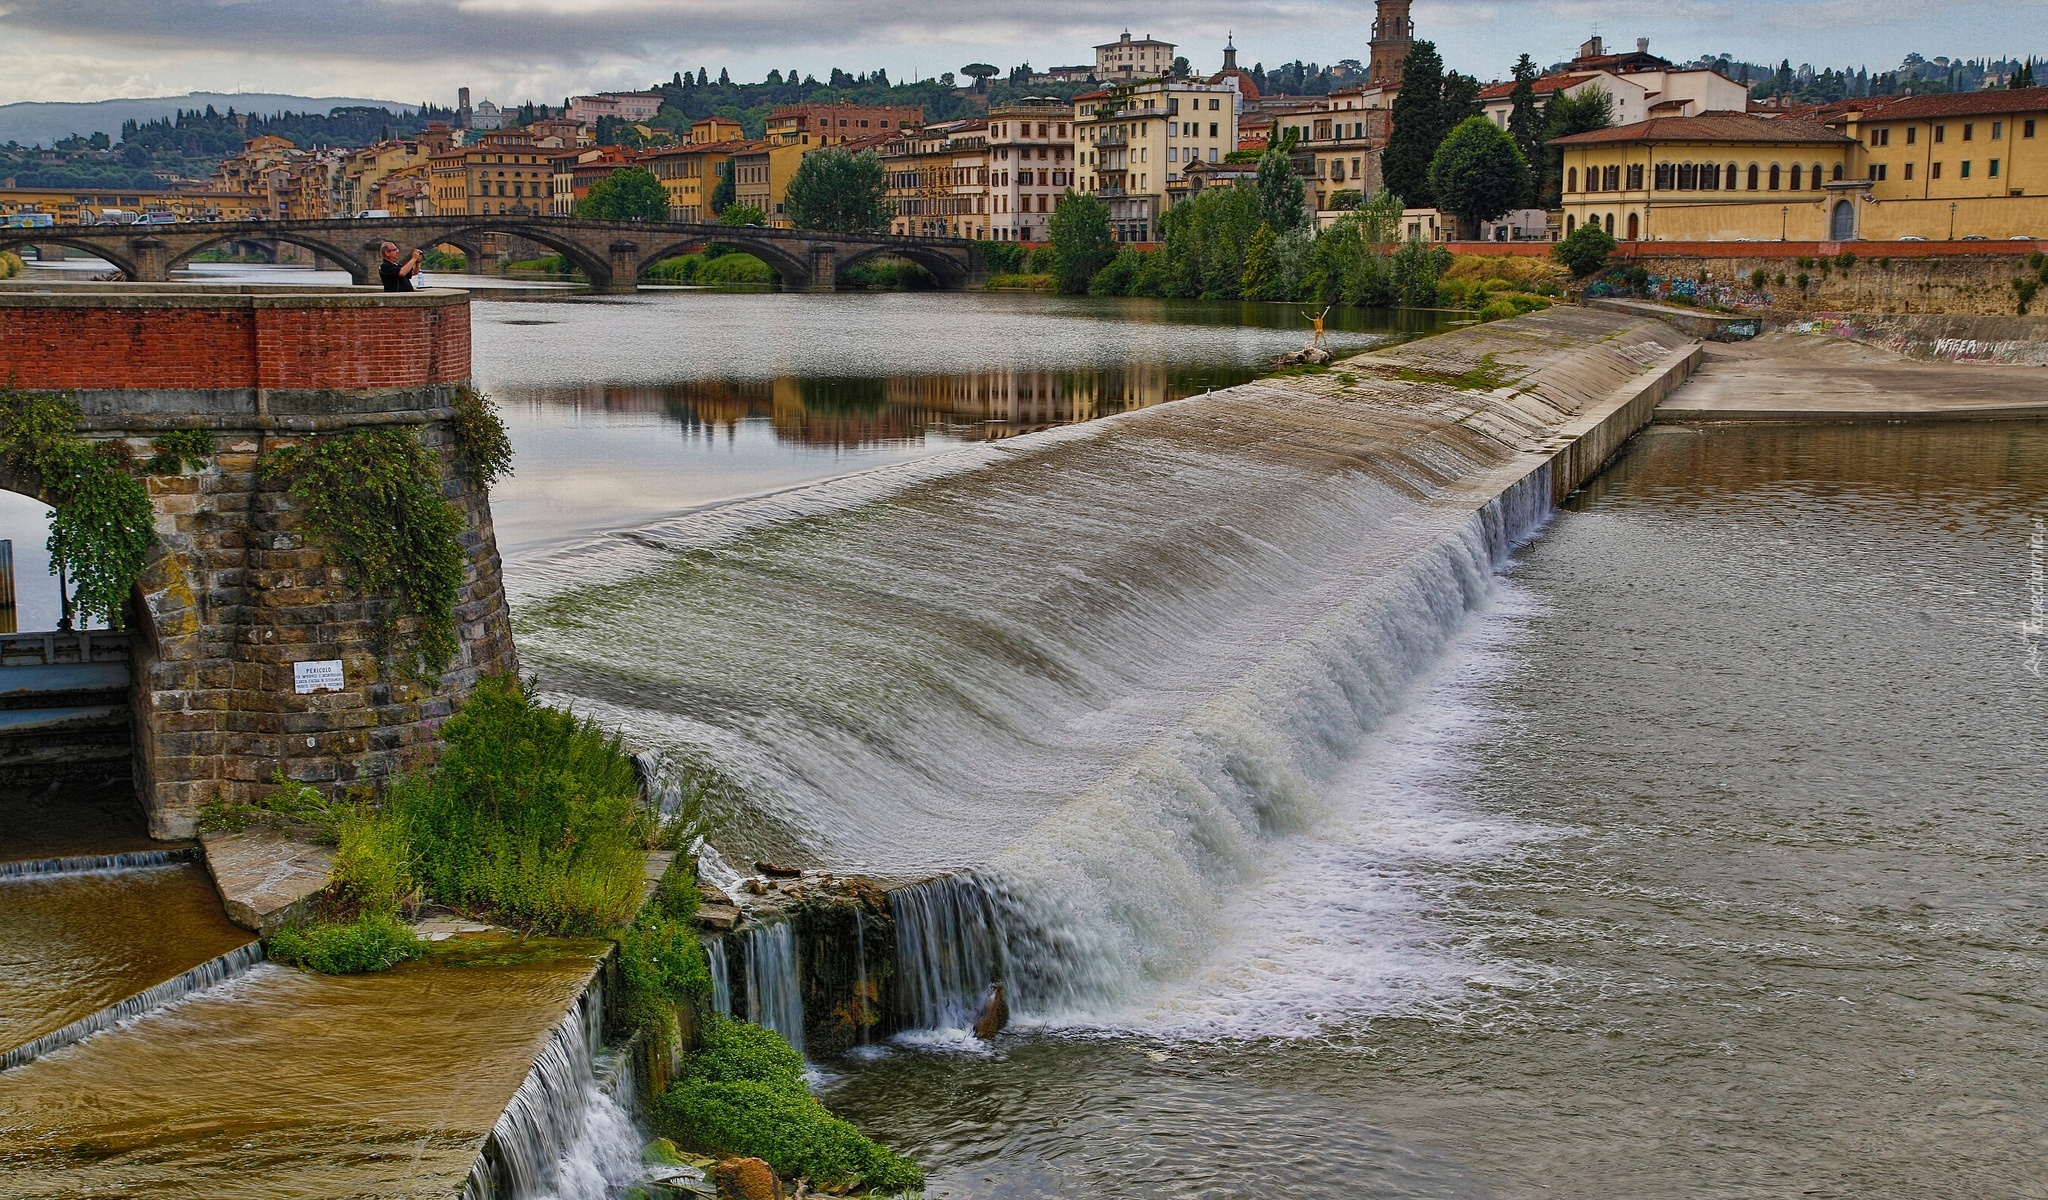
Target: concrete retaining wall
(2006, 340)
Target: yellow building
(1135, 143)
(1924, 167)
(1974, 164)
(690, 172)
(72, 206)
(938, 180)
(504, 172)
(761, 173)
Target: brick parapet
(233, 596)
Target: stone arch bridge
(612, 254)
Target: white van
(373, 214)
(115, 216)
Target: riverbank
(1806, 378)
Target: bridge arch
(96, 247)
(945, 264)
(355, 262)
(593, 263)
(782, 255)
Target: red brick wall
(266, 345)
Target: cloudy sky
(512, 50)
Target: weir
(1434, 460)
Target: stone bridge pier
(251, 655)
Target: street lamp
(1784, 222)
(1951, 220)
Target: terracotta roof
(1963, 104)
(1544, 85)
(1709, 127)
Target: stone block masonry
(233, 598)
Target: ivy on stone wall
(372, 499)
(480, 435)
(102, 525)
(180, 448)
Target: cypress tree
(1417, 127)
(1525, 124)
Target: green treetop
(1478, 174)
(1281, 199)
(630, 194)
(840, 192)
(1081, 242)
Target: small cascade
(721, 976)
(80, 864)
(949, 952)
(561, 1135)
(205, 975)
(863, 997)
(774, 991)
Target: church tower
(1392, 35)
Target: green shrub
(1002, 258)
(1021, 283)
(745, 1095)
(1802, 281)
(440, 260)
(1805, 263)
(1846, 259)
(532, 816)
(370, 942)
(11, 264)
(662, 963)
(1497, 310)
(104, 525)
(179, 449)
(1120, 276)
(1758, 278)
(1585, 251)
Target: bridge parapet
(234, 601)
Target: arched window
(1610, 224)
(1816, 177)
(1838, 173)
(1571, 180)
(1798, 176)
(1634, 227)
(1777, 177)
(1571, 224)
(1755, 173)
(1728, 180)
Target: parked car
(158, 218)
(32, 220)
(1910, 238)
(373, 214)
(1975, 237)
(2022, 237)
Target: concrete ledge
(18, 293)
(264, 878)
(1710, 326)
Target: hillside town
(1661, 151)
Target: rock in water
(778, 871)
(748, 1179)
(995, 1014)
(1315, 355)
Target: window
(2027, 130)
(1666, 177)
(1935, 172)
(1940, 134)
(1966, 169)
(1212, 127)
(1909, 170)
(1754, 175)
(1969, 131)
(1610, 178)
(1796, 177)
(1776, 177)
(1816, 177)
(1838, 173)
(1635, 177)
(1571, 180)
(1877, 172)
(1997, 130)
(1212, 105)
(1912, 134)
(1993, 172)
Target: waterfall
(83, 863)
(564, 1134)
(205, 975)
(862, 1015)
(949, 951)
(721, 976)
(774, 990)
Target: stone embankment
(1806, 378)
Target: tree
(1478, 174)
(1404, 164)
(724, 192)
(1261, 279)
(840, 192)
(1585, 251)
(1525, 123)
(981, 73)
(1282, 202)
(736, 215)
(1460, 100)
(1181, 68)
(1568, 113)
(631, 194)
(1081, 242)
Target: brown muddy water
(281, 1083)
(71, 945)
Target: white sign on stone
(321, 676)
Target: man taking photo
(398, 276)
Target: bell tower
(1392, 35)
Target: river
(1692, 851)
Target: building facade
(690, 172)
(1393, 36)
(831, 124)
(1337, 144)
(1127, 60)
(938, 179)
(1133, 144)
(630, 107)
(503, 173)
(79, 206)
(761, 171)
(1030, 163)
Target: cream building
(1030, 163)
(1126, 60)
(1133, 143)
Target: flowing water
(774, 991)
(74, 943)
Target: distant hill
(33, 123)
